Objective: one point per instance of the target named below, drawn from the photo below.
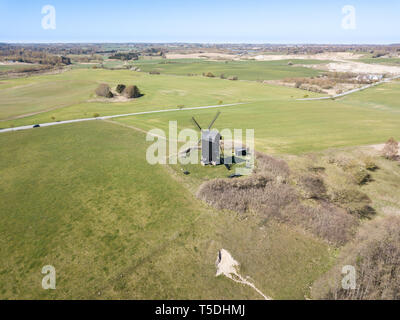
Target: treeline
(125, 56)
(86, 58)
(30, 56)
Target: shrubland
(375, 254)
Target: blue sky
(215, 21)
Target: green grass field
(245, 70)
(383, 98)
(281, 124)
(294, 127)
(70, 95)
(387, 61)
(82, 198)
(17, 67)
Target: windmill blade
(215, 118)
(196, 123)
(189, 150)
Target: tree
(391, 149)
(103, 90)
(132, 92)
(120, 88)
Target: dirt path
(228, 267)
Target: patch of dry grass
(375, 254)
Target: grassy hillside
(70, 95)
(383, 98)
(299, 126)
(82, 198)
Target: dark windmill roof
(210, 135)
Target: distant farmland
(245, 70)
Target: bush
(312, 187)
(270, 165)
(210, 75)
(375, 254)
(268, 194)
(154, 72)
(354, 201)
(222, 76)
(120, 88)
(103, 90)
(96, 115)
(370, 164)
(326, 221)
(271, 198)
(297, 84)
(391, 149)
(132, 92)
(256, 192)
(360, 175)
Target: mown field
(387, 61)
(82, 198)
(244, 70)
(281, 124)
(294, 127)
(71, 95)
(15, 67)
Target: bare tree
(391, 149)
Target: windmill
(211, 150)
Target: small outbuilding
(240, 152)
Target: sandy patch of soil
(335, 56)
(116, 98)
(379, 147)
(341, 62)
(203, 55)
(229, 267)
(391, 211)
(358, 67)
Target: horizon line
(199, 42)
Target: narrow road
(117, 116)
(351, 91)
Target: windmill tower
(210, 144)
